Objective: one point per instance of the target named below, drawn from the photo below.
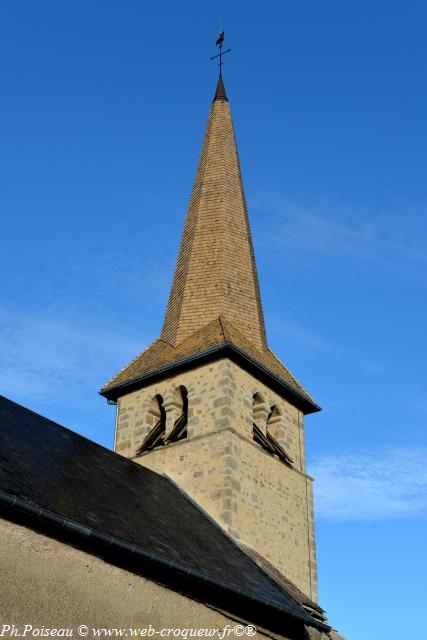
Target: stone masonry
(256, 498)
(259, 499)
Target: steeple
(220, 93)
(208, 403)
(216, 274)
(214, 307)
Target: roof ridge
(222, 326)
(160, 339)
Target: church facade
(204, 513)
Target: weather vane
(219, 43)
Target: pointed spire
(220, 93)
(215, 272)
(214, 307)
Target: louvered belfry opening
(179, 430)
(271, 445)
(157, 436)
(267, 440)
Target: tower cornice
(227, 349)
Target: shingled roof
(215, 299)
(215, 272)
(209, 342)
(56, 476)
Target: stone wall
(254, 496)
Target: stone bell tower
(208, 403)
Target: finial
(219, 43)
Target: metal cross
(219, 44)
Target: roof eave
(99, 542)
(300, 400)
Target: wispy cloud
(371, 484)
(352, 234)
(284, 331)
(291, 331)
(41, 356)
(63, 341)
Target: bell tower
(208, 403)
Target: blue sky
(102, 115)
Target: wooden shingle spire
(214, 307)
(216, 274)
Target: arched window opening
(273, 417)
(259, 417)
(155, 437)
(267, 441)
(259, 411)
(274, 413)
(258, 402)
(179, 429)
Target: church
(202, 518)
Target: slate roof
(289, 587)
(52, 468)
